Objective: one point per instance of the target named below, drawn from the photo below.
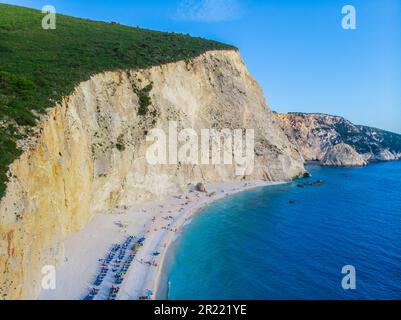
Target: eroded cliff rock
(89, 154)
(314, 135)
(343, 155)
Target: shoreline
(154, 275)
(159, 222)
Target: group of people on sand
(115, 262)
(149, 263)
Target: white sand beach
(157, 222)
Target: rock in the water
(343, 155)
(311, 184)
(307, 175)
(385, 155)
(315, 184)
(200, 187)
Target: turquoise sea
(287, 242)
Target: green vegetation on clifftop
(38, 67)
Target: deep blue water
(256, 245)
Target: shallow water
(257, 245)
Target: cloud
(208, 10)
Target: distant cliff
(336, 141)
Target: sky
(296, 49)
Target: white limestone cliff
(89, 155)
(317, 135)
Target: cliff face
(89, 154)
(316, 136)
(343, 155)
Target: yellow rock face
(90, 155)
